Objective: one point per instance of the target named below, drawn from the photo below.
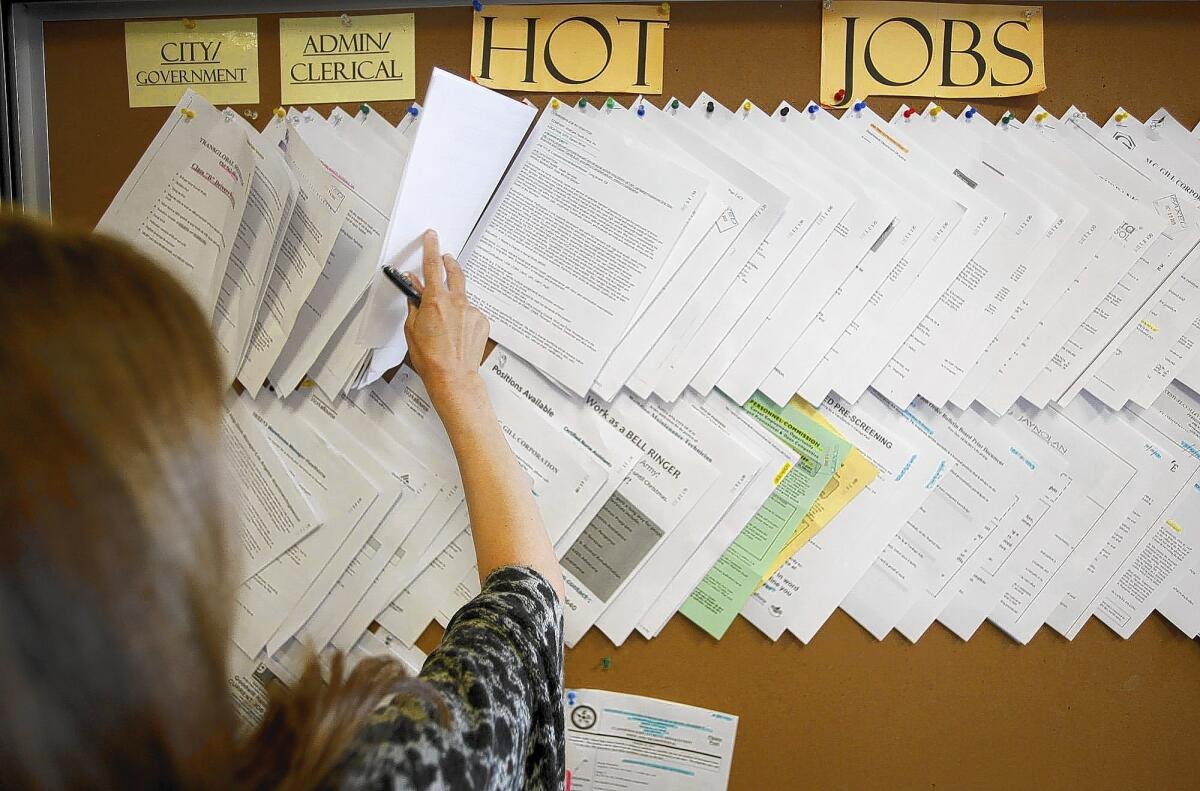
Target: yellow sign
(217, 58)
(570, 48)
(347, 59)
(929, 49)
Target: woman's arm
(446, 339)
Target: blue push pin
(477, 5)
(812, 108)
(641, 110)
(859, 106)
(970, 113)
(570, 698)
(413, 111)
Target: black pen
(402, 283)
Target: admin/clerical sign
(570, 48)
(217, 58)
(347, 59)
(871, 48)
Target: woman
(115, 576)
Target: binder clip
(189, 24)
(187, 113)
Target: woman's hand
(446, 334)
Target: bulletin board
(844, 711)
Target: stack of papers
(925, 369)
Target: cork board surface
(844, 711)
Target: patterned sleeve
(498, 673)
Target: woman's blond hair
(116, 587)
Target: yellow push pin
(280, 112)
(664, 9)
(935, 111)
(554, 104)
(190, 24)
(1121, 116)
(1042, 116)
(186, 113)
(747, 106)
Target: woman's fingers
(431, 262)
(455, 280)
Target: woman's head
(114, 581)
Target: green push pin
(1007, 117)
(674, 104)
(364, 108)
(610, 103)
(605, 663)
(582, 102)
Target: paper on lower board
(618, 742)
(183, 202)
(321, 207)
(665, 485)
(805, 591)
(725, 588)
(1181, 605)
(704, 423)
(336, 490)
(273, 514)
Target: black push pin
(710, 107)
(784, 111)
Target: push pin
(346, 20)
(610, 103)
(364, 108)
(190, 24)
(554, 104)
(708, 108)
(664, 9)
(186, 113)
(747, 106)
(674, 104)
(570, 698)
(582, 102)
(280, 112)
(1030, 13)
(970, 113)
(859, 106)
(783, 111)
(935, 111)
(1006, 119)
(414, 110)
(477, 5)
(812, 108)
(1121, 116)
(251, 113)
(839, 96)
(605, 663)
(910, 112)
(1042, 116)
(641, 111)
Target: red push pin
(909, 112)
(839, 96)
